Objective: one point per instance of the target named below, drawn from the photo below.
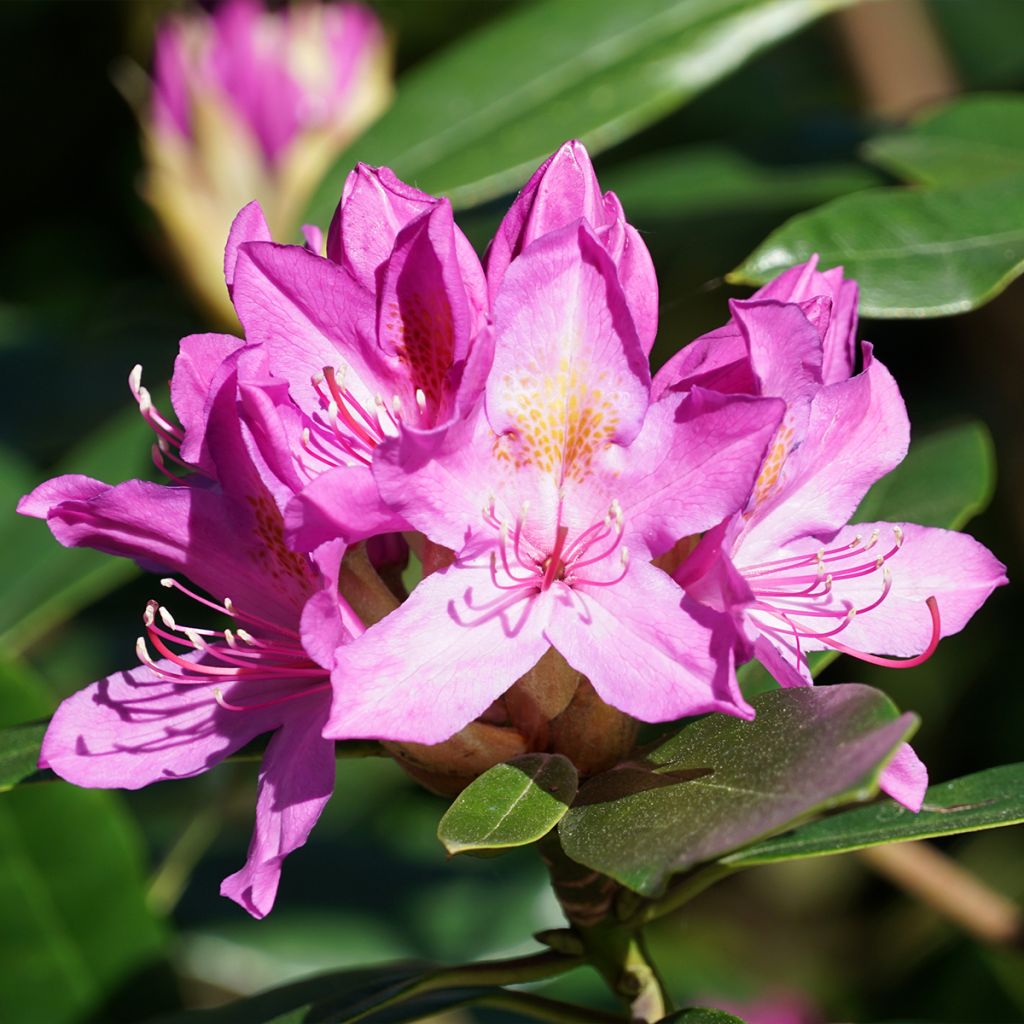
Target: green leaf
(988, 799)
(511, 804)
(974, 138)
(914, 253)
(708, 180)
(73, 918)
(946, 480)
(474, 121)
(721, 782)
(19, 752)
(701, 1015)
(43, 583)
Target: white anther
(856, 541)
(306, 437)
(142, 653)
(167, 582)
(135, 378)
(396, 405)
(195, 639)
(421, 400)
(316, 380)
(162, 445)
(229, 606)
(149, 615)
(229, 637)
(624, 557)
(850, 614)
(168, 619)
(872, 540)
(886, 574)
(898, 534)
(246, 637)
(879, 562)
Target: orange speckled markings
(277, 559)
(422, 335)
(773, 463)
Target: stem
(537, 967)
(620, 954)
(541, 1008)
(924, 871)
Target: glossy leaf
(988, 799)
(914, 252)
(721, 782)
(474, 121)
(511, 804)
(75, 922)
(974, 138)
(708, 180)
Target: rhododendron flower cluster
(589, 536)
(249, 102)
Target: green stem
(542, 1008)
(491, 972)
(620, 954)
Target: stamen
(920, 659)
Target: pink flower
(795, 577)
(254, 103)
(565, 189)
(207, 691)
(555, 493)
(389, 331)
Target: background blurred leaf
(511, 804)
(43, 583)
(971, 139)
(75, 924)
(19, 752)
(721, 782)
(914, 253)
(705, 180)
(988, 799)
(474, 121)
(946, 480)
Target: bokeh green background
(86, 292)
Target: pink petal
(642, 652)
(693, 464)
(438, 661)
(905, 779)
(569, 375)
(718, 361)
(296, 781)
(249, 225)
(135, 728)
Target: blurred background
(108, 902)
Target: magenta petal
(296, 781)
(134, 728)
(249, 225)
(438, 661)
(693, 464)
(342, 502)
(643, 653)
(905, 779)
(718, 361)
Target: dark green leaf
(988, 799)
(19, 752)
(511, 804)
(721, 782)
(474, 121)
(706, 180)
(915, 253)
(946, 479)
(74, 923)
(701, 1015)
(974, 138)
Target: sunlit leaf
(722, 782)
(510, 805)
(988, 799)
(472, 122)
(914, 252)
(974, 138)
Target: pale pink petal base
(905, 779)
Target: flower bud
(253, 104)
(552, 708)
